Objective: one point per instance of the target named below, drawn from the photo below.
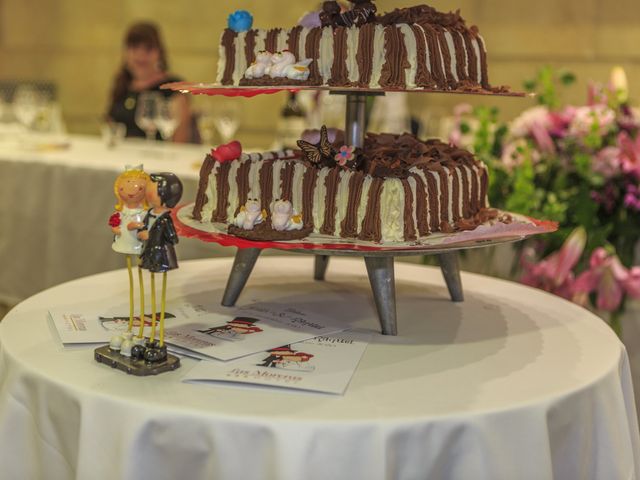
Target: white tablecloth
(55, 203)
(511, 384)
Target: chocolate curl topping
(422, 14)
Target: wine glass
(27, 104)
(227, 120)
(147, 113)
(167, 116)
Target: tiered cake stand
(379, 260)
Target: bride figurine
(129, 188)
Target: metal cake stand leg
(320, 267)
(242, 266)
(382, 280)
(451, 273)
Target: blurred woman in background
(144, 69)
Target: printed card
(249, 329)
(322, 364)
(91, 323)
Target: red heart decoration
(228, 152)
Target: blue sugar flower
(240, 21)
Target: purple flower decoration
(345, 154)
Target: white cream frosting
(342, 198)
(261, 37)
(241, 59)
(364, 200)
(412, 54)
(440, 46)
(302, 42)
(353, 70)
(281, 42)
(254, 180)
(212, 194)
(296, 194)
(379, 55)
(319, 205)
(392, 210)
(449, 194)
(326, 54)
(276, 191)
(233, 190)
(452, 54)
(461, 190)
(222, 62)
(428, 57)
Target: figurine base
(132, 366)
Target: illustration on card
(235, 329)
(288, 359)
(121, 323)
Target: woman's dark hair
(141, 33)
(169, 188)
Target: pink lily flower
(609, 279)
(554, 273)
(629, 153)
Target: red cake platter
(199, 88)
(519, 228)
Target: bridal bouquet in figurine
(144, 233)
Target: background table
(55, 203)
(512, 383)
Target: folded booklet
(322, 364)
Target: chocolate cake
(396, 188)
(408, 48)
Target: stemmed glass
(147, 113)
(27, 104)
(227, 120)
(167, 116)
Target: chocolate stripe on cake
(339, 68)
(228, 38)
(271, 42)
(242, 178)
(308, 189)
(475, 204)
(293, 42)
(426, 198)
(484, 183)
(312, 50)
(435, 58)
(201, 197)
(250, 45)
(443, 199)
(455, 194)
(409, 228)
(423, 76)
(222, 186)
(266, 184)
(349, 226)
(446, 57)
(466, 190)
(365, 54)
(472, 64)
(461, 56)
(483, 62)
(393, 70)
(331, 185)
(371, 225)
(286, 181)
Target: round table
(512, 383)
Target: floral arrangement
(579, 166)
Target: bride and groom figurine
(143, 229)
